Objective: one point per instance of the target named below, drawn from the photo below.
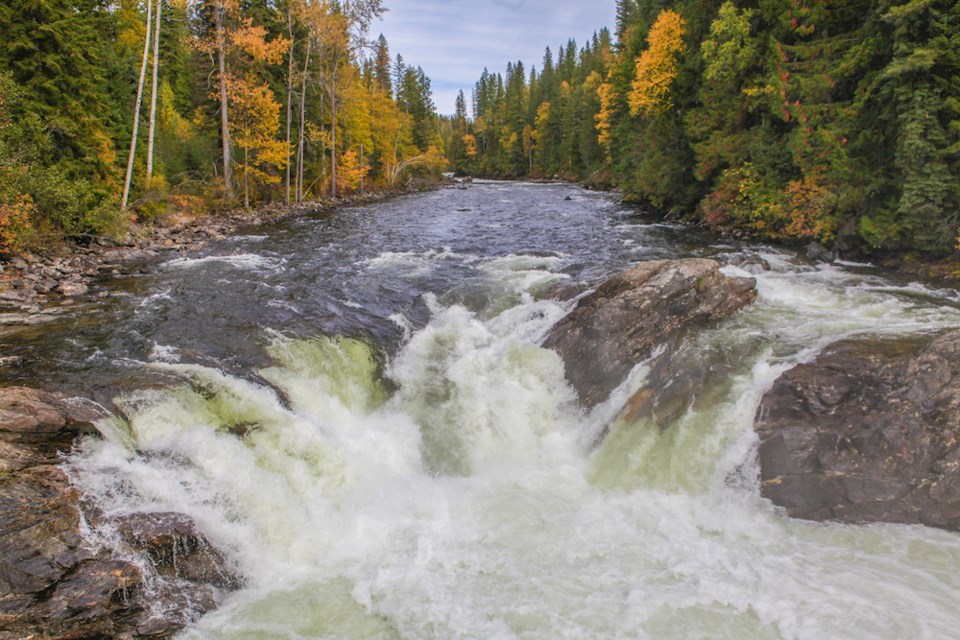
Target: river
(354, 406)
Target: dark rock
(57, 584)
(177, 548)
(620, 324)
(819, 253)
(867, 433)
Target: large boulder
(868, 432)
(626, 318)
(55, 582)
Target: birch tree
(136, 108)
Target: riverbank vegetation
(119, 112)
(788, 119)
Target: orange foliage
(811, 209)
(657, 66)
(470, 143)
(15, 225)
(350, 171)
(252, 40)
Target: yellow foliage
(605, 115)
(255, 124)
(470, 143)
(657, 66)
(434, 160)
(350, 171)
(540, 124)
(509, 140)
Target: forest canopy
(792, 120)
(112, 112)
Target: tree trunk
(136, 109)
(153, 95)
(333, 133)
(224, 112)
(303, 113)
(289, 98)
(246, 178)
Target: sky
(453, 40)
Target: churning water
(355, 407)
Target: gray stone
(868, 432)
(620, 324)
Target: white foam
(467, 505)
(248, 261)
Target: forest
(114, 113)
(791, 120)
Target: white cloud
(454, 40)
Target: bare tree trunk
(302, 132)
(289, 97)
(153, 95)
(136, 109)
(224, 113)
(246, 178)
(333, 133)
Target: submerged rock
(627, 317)
(868, 432)
(55, 582)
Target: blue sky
(453, 40)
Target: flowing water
(355, 407)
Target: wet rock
(55, 583)
(620, 324)
(177, 548)
(11, 361)
(868, 432)
(16, 296)
(36, 426)
(819, 253)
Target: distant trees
(536, 123)
(789, 119)
(267, 99)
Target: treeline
(790, 119)
(226, 102)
